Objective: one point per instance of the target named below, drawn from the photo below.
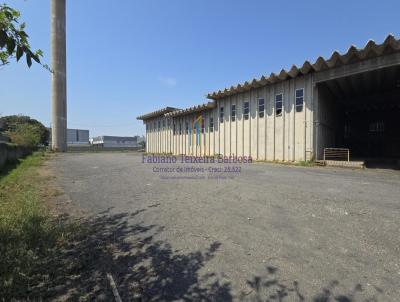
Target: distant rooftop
(156, 113)
(193, 109)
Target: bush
(22, 130)
(25, 135)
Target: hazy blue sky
(128, 57)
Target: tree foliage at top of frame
(13, 38)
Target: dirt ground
(253, 232)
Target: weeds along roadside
(28, 231)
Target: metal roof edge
(371, 49)
(156, 113)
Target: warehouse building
(122, 142)
(75, 137)
(349, 100)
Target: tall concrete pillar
(59, 76)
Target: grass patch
(27, 230)
(303, 163)
(306, 163)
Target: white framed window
(233, 112)
(246, 110)
(221, 114)
(299, 99)
(278, 104)
(261, 108)
(211, 125)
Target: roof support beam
(359, 67)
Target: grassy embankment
(28, 232)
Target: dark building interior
(362, 112)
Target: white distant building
(117, 141)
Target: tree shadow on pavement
(271, 287)
(143, 268)
(146, 269)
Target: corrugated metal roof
(353, 55)
(157, 113)
(209, 105)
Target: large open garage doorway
(362, 113)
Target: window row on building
(178, 127)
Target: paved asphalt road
(269, 233)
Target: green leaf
(3, 38)
(4, 57)
(23, 34)
(28, 60)
(20, 52)
(8, 15)
(36, 58)
(10, 46)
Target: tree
(13, 38)
(25, 135)
(23, 130)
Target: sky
(130, 57)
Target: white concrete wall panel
(261, 143)
(288, 137)
(253, 152)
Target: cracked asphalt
(284, 233)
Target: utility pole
(59, 76)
